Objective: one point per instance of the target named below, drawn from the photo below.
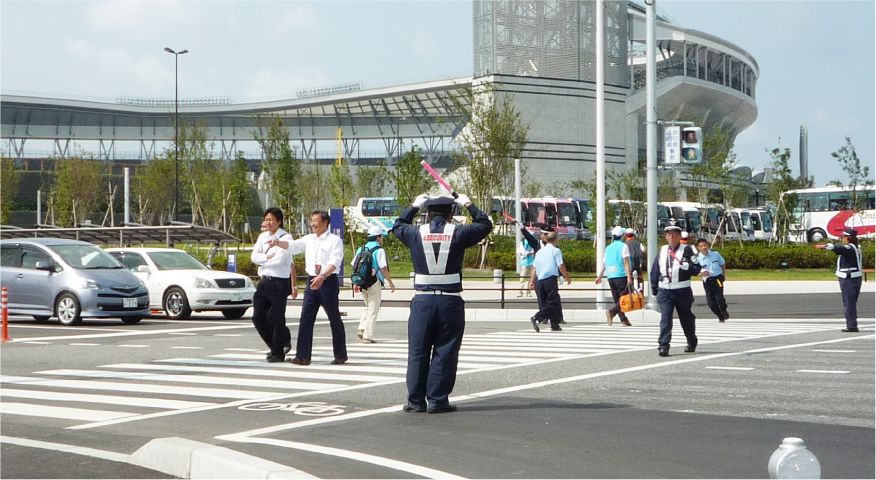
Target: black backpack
(363, 268)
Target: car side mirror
(44, 266)
(144, 269)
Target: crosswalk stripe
(147, 388)
(296, 373)
(15, 408)
(261, 363)
(192, 379)
(91, 398)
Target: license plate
(129, 302)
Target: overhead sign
(672, 145)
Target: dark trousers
(326, 297)
(435, 328)
(550, 307)
(618, 287)
(681, 300)
(850, 288)
(715, 296)
(269, 312)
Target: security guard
(670, 276)
(848, 270)
(437, 318)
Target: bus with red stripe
(822, 213)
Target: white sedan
(179, 283)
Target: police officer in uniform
(848, 270)
(670, 276)
(437, 319)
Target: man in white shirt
(323, 256)
(269, 301)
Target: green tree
(340, 185)
(372, 181)
(240, 195)
(858, 174)
(281, 164)
(77, 190)
(8, 188)
(781, 182)
(410, 177)
(151, 191)
(205, 187)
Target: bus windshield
(566, 214)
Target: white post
(600, 150)
(518, 237)
(127, 196)
(39, 207)
(651, 136)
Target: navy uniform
(848, 269)
(670, 282)
(437, 319)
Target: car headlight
(202, 283)
(142, 284)
(92, 285)
(248, 283)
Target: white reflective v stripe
(436, 264)
(446, 279)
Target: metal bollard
(4, 304)
(793, 460)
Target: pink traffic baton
(438, 178)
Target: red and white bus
(822, 213)
(559, 213)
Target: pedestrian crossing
(115, 391)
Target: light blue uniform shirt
(547, 262)
(525, 260)
(713, 262)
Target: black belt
(268, 277)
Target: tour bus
(739, 224)
(370, 211)
(583, 218)
(762, 224)
(688, 215)
(559, 213)
(822, 213)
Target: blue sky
(816, 57)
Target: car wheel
(176, 304)
(41, 318)
(131, 320)
(233, 313)
(67, 309)
(817, 235)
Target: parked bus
(739, 224)
(822, 213)
(583, 218)
(687, 215)
(369, 211)
(559, 213)
(762, 224)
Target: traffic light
(692, 145)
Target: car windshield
(176, 261)
(86, 257)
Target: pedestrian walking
(437, 318)
(637, 257)
(323, 256)
(547, 266)
(670, 276)
(275, 272)
(616, 266)
(849, 270)
(527, 255)
(372, 295)
(712, 273)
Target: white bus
(822, 213)
(762, 223)
(370, 211)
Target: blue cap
(440, 203)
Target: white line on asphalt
(150, 377)
(834, 351)
(823, 371)
(141, 387)
(347, 455)
(15, 408)
(131, 345)
(263, 372)
(92, 398)
(730, 368)
(133, 333)
(182, 333)
(186, 348)
(63, 327)
(32, 342)
(60, 447)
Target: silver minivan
(69, 279)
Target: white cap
(617, 231)
(374, 231)
(630, 231)
(685, 235)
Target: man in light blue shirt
(713, 279)
(547, 266)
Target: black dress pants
(269, 312)
(549, 305)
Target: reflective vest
(672, 276)
(436, 262)
(844, 266)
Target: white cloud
(146, 75)
(267, 83)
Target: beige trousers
(372, 298)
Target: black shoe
(299, 361)
(689, 349)
(413, 408)
(720, 320)
(663, 352)
(562, 321)
(626, 323)
(442, 409)
(534, 324)
(276, 358)
(339, 361)
(850, 330)
(288, 347)
(555, 327)
(726, 315)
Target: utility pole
(176, 128)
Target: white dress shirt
(280, 263)
(322, 251)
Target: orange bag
(632, 300)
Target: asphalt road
(590, 402)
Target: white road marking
(248, 382)
(33, 342)
(179, 347)
(60, 447)
(111, 399)
(730, 368)
(823, 371)
(31, 410)
(285, 372)
(135, 333)
(182, 333)
(834, 351)
(123, 345)
(142, 387)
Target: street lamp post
(176, 128)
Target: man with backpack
(370, 272)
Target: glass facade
(549, 38)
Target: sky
(817, 59)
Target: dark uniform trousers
(549, 305)
(269, 312)
(327, 297)
(437, 320)
(715, 296)
(850, 288)
(618, 287)
(681, 299)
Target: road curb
(185, 458)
